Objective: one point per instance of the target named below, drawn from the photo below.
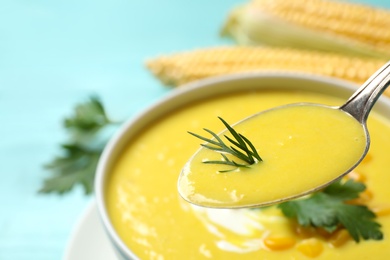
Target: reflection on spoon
(304, 147)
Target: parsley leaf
(89, 129)
(329, 209)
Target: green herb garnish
(329, 209)
(89, 130)
(241, 148)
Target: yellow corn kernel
(304, 232)
(279, 242)
(381, 210)
(311, 247)
(357, 176)
(181, 68)
(325, 25)
(323, 233)
(364, 197)
(309, 232)
(367, 158)
(339, 238)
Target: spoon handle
(360, 103)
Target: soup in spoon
(306, 142)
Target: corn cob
(180, 68)
(323, 25)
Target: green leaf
(329, 209)
(88, 134)
(64, 179)
(345, 190)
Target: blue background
(54, 54)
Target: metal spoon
(358, 106)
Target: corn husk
(331, 26)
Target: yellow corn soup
(156, 223)
(298, 144)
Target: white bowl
(198, 91)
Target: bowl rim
(121, 136)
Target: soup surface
(156, 223)
(298, 144)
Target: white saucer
(89, 240)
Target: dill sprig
(239, 147)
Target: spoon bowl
(197, 184)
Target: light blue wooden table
(54, 54)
